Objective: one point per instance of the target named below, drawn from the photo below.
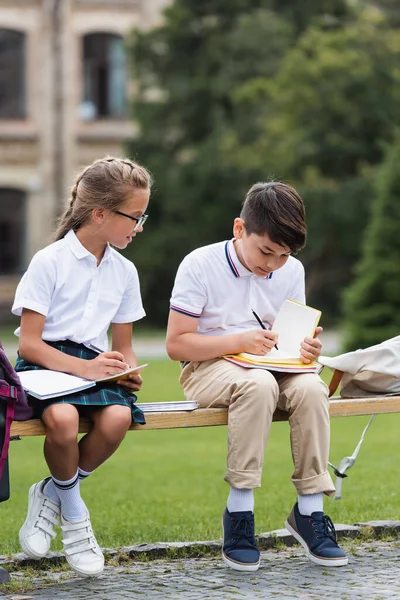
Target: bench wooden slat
(339, 407)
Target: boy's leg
(305, 397)
(250, 396)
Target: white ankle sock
(73, 507)
(49, 490)
(83, 474)
(240, 500)
(310, 503)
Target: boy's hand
(133, 383)
(259, 341)
(105, 364)
(311, 347)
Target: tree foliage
(229, 92)
(373, 301)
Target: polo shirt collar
(79, 250)
(234, 263)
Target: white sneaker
(81, 549)
(36, 533)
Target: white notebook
(293, 323)
(186, 405)
(45, 384)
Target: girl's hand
(105, 364)
(311, 347)
(133, 383)
(259, 341)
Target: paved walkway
(373, 573)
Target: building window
(12, 230)
(104, 77)
(12, 74)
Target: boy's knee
(311, 391)
(258, 387)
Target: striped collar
(234, 263)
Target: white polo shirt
(213, 286)
(78, 298)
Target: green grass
(168, 485)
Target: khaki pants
(252, 395)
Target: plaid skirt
(102, 394)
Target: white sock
(83, 474)
(310, 503)
(73, 507)
(49, 490)
(240, 500)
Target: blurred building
(64, 100)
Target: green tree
(373, 301)
(187, 72)
(228, 93)
(322, 123)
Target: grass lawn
(168, 485)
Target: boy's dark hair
(276, 209)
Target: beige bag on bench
(369, 372)
(374, 370)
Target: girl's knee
(114, 423)
(62, 423)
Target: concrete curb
(175, 550)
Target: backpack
(13, 406)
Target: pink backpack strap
(9, 392)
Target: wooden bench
(204, 417)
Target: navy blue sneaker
(240, 550)
(316, 533)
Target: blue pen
(261, 323)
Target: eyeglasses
(139, 221)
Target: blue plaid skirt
(102, 394)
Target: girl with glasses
(74, 290)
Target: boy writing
(215, 290)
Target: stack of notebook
(274, 361)
(293, 323)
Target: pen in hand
(95, 349)
(261, 323)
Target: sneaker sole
(25, 548)
(239, 566)
(85, 573)
(325, 562)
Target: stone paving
(373, 573)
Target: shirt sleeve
(298, 290)
(36, 288)
(189, 295)
(131, 306)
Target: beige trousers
(252, 395)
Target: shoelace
(324, 528)
(243, 527)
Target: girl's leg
(110, 425)
(61, 453)
(61, 449)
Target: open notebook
(293, 323)
(45, 384)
